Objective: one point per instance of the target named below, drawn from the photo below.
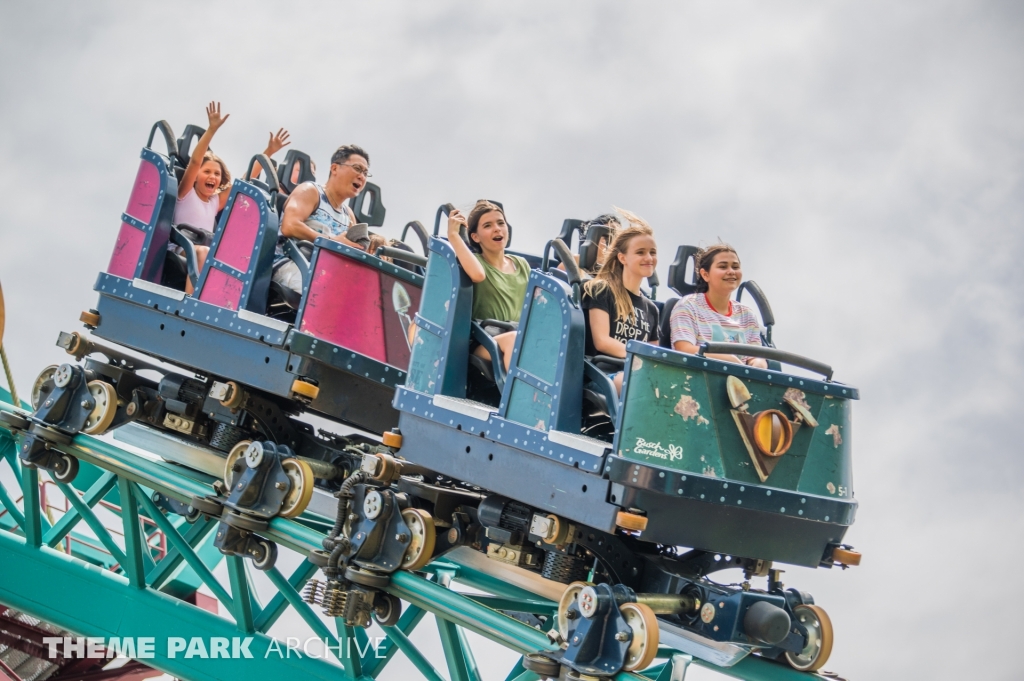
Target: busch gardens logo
(657, 451)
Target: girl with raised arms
(203, 190)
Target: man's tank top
(326, 220)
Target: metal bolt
(47, 403)
(280, 485)
(571, 614)
(576, 638)
(622, 636)
(239, 486)
(453, 535)
(86, 404)
(353, 516)
(131, 409)
(402, 537)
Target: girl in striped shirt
(710, 315)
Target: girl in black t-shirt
(616, 310)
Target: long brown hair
(225, 176)
(705, 258)
(610, 274)
(482, 207)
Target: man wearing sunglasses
(315, 210)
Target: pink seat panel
(126, 251)
(343, 305)
(236, 243)
(142, 202)
(221, 289)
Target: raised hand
(277, 142)
(213, 115)
(455, 220)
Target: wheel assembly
(104, 408)
(819, 638)
(300, 475)
(644, 646)
(421, 540)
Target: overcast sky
(865, 158)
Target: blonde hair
(610, 274)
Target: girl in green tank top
(499, 279)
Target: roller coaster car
(748, 466)
(342, 358)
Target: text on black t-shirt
(642, 327)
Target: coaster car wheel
(387, 610)
(644, 646)
(819, 639)
(421, 540)
(236, 453)
(235, 395)
(631, 521)
(304, 389)
(104, 408)
(300, 475)
(66, 469)
(374, 580)
(542, 665)
(567, 599)
(90, 318)
(265, 555)
(46, 374)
